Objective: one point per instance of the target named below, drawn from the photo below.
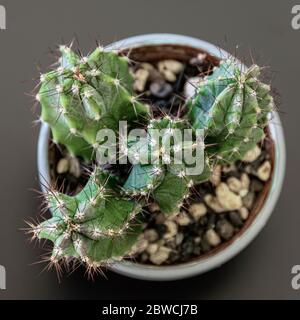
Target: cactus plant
(97, 226)
(232, 106)
(85, 95)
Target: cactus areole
(101, 224)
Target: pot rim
(192, 268)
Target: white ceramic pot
(216, 259)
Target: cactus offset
(85, 95)
(164, 179)
(232, 107)
(96, 226)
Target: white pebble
(252, 154)
(244, 213)
(183, 219)
(245, 181)
(160, 256)
(264, 171)
(169, 75)
(212, 237)
(152, 248)
(147, 66)
(179, 238)
(198, 210)
(171, 65)
(151, 235)
(62, 166)
(234, 184)
(141, 77)
(171, 229)
(140, 246)
(228, 200)
(213, 203)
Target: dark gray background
(263, 270)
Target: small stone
(234, 184)
(179, 238)
(252, 154)
(235, 219)
(171, 229)
(191, 86)
(244, 213)
(248, 200)
(245, 181)
(75, 167)
(161, 89)
(212, 237)
(243, 192)
(62, 166)
(213, 203)
(256, 185)
(152, 248)
(170, 65)
(160, 219)
(229, 168)
(225, 229)
(264, 171)
(141, 77)
(169, 76)
(197, 210)
(151, 235)
(160, 256)
(140, 246)
(147, 66)
(154, 207)
(183, 219)
(215, 177)
(228, 200)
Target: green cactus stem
(85, 95)
(96, 227)
(232, 106)
(156, 172)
